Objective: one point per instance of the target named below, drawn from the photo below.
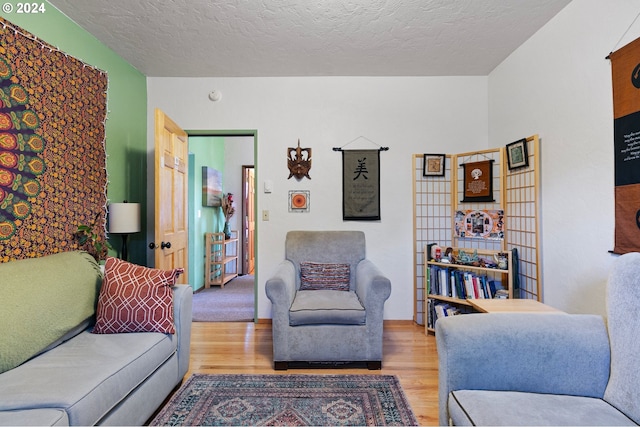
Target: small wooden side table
(507, 305)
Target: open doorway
(232, 155)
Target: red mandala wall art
(52, 156)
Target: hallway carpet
(233, 303)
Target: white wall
(558, 85)
(408, 114)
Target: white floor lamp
(124, 218)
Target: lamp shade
(124, 217)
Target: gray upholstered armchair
(545, 369)
(328, 300)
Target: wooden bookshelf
(221, 264)
(448, 293)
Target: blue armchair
(545, 369)
(327, 324)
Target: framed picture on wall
(211, 187)
(433, 165)
(517, 156)
(299, 200)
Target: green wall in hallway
(204, 151)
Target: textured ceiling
(247, 38)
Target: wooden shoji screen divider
(436, 199)
(522, 221)
(431, 223)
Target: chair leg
(374, 365)
(280, 366)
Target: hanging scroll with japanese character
(361, 185)
(625, 72)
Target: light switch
(268, 186)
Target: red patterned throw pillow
(135, 299)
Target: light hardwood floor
(246, 348)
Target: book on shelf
(502, 294)
(443, 280)
(461, 284)
(492, 287)
(445, 310)
(437, 310)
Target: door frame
(248, 133)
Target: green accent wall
(203, 151)
(126, 126)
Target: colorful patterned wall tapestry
(52, 155)
(625, 73)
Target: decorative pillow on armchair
(324, 276)
(135, 299)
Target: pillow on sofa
(135, 299)
(324, 276)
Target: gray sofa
(545, 369)
(327, 325)
(74, 377)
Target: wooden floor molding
(246, 348)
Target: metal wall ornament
(299, 162)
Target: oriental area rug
(292, 400)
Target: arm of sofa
(281, 289)
(372, 287)
(529, 352)
(182, 316)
